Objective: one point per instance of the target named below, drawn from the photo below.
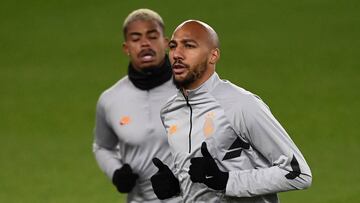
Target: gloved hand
(204, 170)
(124, 179)
(164, 183)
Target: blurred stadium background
(56, 57)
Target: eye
(153, 36)
(172, 45)
(135, 39)
(189, 45)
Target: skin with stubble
(194, 51)
(145, 44)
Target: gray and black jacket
(244, 138)
(129, 130)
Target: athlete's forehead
(143, 26)
(195, 31)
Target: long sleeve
(287, 168)
(105, 143)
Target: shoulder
(229, 93)
(167, 106)
(237, 101)
(121, 87)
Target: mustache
(147, 52)
(179, 63)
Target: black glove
(164, 183)
(124, 179)
(204, 170)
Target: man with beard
(227, 145)
(128, 129)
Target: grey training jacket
(243, 137)
(129, 130)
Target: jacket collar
(151, 77)
(207, 86)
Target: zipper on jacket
(188, 104)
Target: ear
(214, 55)
(166, 42)
(125, 49)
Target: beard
(193, 75)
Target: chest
(136, 118)
(188, 126)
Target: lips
(178, 68)
(147, 55)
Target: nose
(176, 53)
(145, 42)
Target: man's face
(189, 55)
(145, 44)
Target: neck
(151, 77)
(197, 83)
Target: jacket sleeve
(287, 168)
(105, 146)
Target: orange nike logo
(125, 120)
(172, 129)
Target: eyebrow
(189, 40)
(135, 34)
(152, 31)
(184, 41)
(139, 34)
